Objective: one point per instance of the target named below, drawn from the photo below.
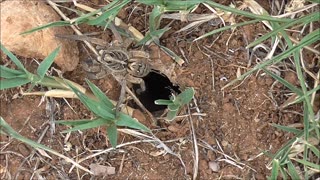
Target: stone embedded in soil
(224, 143)
(23, 149)
(100, 170)
(291, 77)
(20, 16)
(214, 166)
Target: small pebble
(224, 143)
(214, 166)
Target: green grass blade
(163, 102)
(275, 169)
(315, 150)
(283, 81)
(283, 173)
(109, 14)
(98, 108)
(286, 148)
(54, 82)
(292, 171)
(174, 107)
(185, 97)
(308, 109)
(14, 82)
(112, 135)
(301, 98)
(13, 58)
(169, 52)
(246, 14)
(125, 120)
(6, 72)
(287, 129)
(303, 20)
(47, 62)
(100, 95)
(268, 154)
(182, 5)
(173, 55)
(92, 124)
(177, 5)
(86, 17)
(154, 18)
(73, 122)
(4, 126)
(49, 25)
(152, 2)
(307, 163)
(171, 115)
(152, 35)
(307, 40)
(227, 28)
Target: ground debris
(100, 170)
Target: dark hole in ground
(158, 86)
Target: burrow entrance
(158, 86)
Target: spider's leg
(136, 80)
(91, 65)
(97, 75)
(121, 97)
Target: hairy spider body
(132, 65)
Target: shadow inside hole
(158, 86)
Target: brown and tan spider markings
(122, 63)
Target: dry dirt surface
(232, 126)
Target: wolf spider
(132, 65)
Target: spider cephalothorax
(122, 63)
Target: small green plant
(105, 113)
(100, 104)
(176, 102)
(17, 77)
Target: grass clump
(296, 159)
(105, 114)
(99, 104)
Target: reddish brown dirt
(238, 118)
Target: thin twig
(228, 159)
(121, 164)
(195, 147)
